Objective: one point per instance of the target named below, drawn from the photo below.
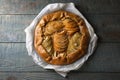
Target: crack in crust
(61, 38)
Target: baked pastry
(61, 37)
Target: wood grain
(35, 6)
(13, 57)
(55, 76)
(12, 27)
(94, 76)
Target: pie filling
(61, 36)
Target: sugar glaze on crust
(61, 38)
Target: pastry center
(61, 37)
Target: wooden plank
(13, 57)
(12, 27)
(35, 6)
(107, 27)
(55, 76)
(94, 76)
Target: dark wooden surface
(15, 64)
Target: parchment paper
(62, 70)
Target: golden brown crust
(61, 38)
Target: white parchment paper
(62, 70)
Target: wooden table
(15, 64)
